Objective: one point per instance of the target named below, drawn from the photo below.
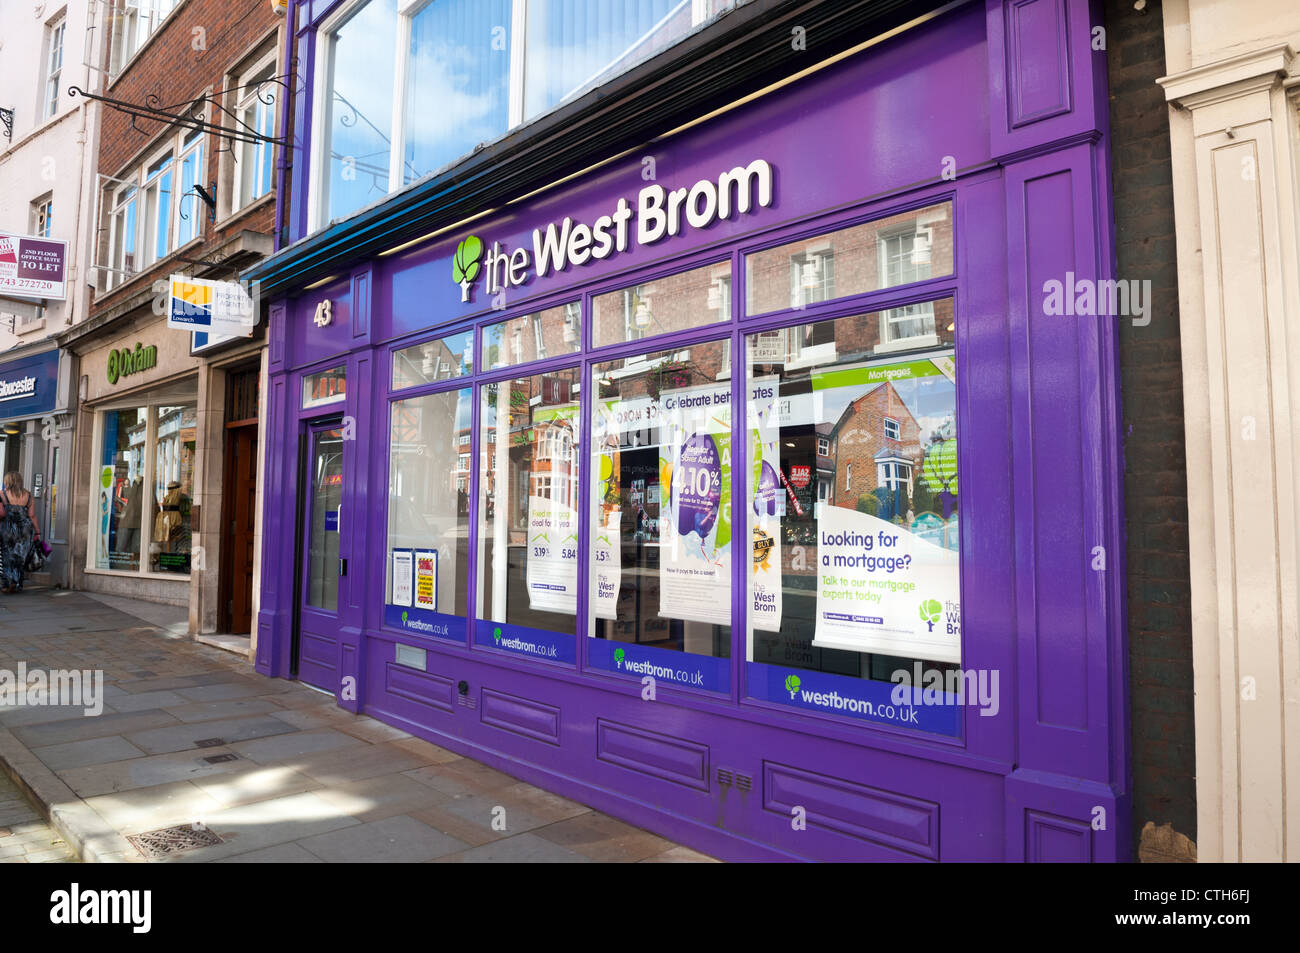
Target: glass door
(321, 501)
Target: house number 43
(324, 313)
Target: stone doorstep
(84, 831)
(239, 645)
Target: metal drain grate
(173, 840)
(209, 743)
(220, 758)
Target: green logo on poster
(106, 477)
(792, 683)
(465, 265)
(496, 634)
(619, 655)
(931, 612)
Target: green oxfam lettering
(126, 361)
(465, 265)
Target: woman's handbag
(35, 558)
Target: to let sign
(33, 267)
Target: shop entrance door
(239, 514)
(317, 561)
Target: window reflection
(528, 528)
(660, 507)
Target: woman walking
(18, 531)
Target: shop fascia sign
(124, 362)
(659, 214)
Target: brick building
(168, 450)
(876, 444)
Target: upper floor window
(155, 208)
(134, 22)
(407, 87)
(53, 65)
(43, 216)
(253, 97)
(892, 430)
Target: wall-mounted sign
(126, 361)
(659, 214)
(33, 267)
(220, 307)
(28, 385)
(324, 315)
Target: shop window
(528, 504)
(897, 250)
(145, 489)
(123, 515)
(437, 360)
(847, 588)
(464, 73)
(173, 489)
(532, 337)
(324, 387)
(661, 522)
(428, 510)
(687, 299)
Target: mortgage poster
(551, 569)
(768, 491)
(887, 556)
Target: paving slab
(293, 779)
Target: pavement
(215, 763)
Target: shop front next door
(320, 482)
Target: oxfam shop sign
(126, 361)
(659, 214)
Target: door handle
(343, 566)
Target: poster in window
(552, 556)
(607, 556)
(426, 580)
(768, 490)
(888, 575)
(695, 532)
(403, 565)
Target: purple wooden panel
(318, 650)
(871, 814)
(277, 328)
(362, 286)
(523, 716)
(1056, 840)
(661, 756)
(1038, 62)
(422, 688)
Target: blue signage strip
(424, 622)
(854, 697)
(666, 665)
(28, 385)
(530, 643)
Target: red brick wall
(171, 68)
(861, 435)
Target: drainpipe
(282, 167)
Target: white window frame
(243, 98)
(56, 35)
(407, 11)
(890, 339)
(822, 256)
(898, 429)
(193, 207)
(165, 160)
(824, 446)
(892, 472)
(43, 215)
(137, 21)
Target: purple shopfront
(740, 486)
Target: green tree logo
(465, 266)
(931, 612)
(619, 655)
(496, 635)
(403, 617)
(792, 683)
